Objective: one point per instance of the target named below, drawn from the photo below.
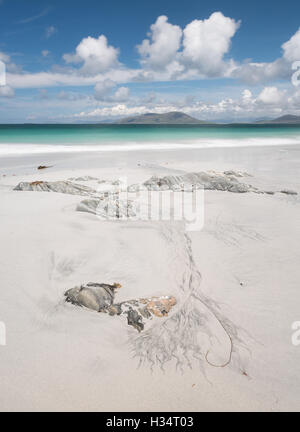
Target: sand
(236, 283)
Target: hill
(174, 117)
(286, 119)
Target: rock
(137, 311)
(289, 192)
(93, 295)
(100, 297)
(135, 320)
(210, 180)
(83, 179)
(160, 306)
(237, 173)
(108, 206)
(66, 187)
(41, 167)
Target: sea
(56, 138)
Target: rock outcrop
(65, 187)
(210, 180)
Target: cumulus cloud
(95, 54)
(205, 42)
(291, 48)
(161, 48)
(271, 96)
(198, 49)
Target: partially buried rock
(65, 187)
(137, 311)
(289, 192)
(100, 297)
(92, 295)
(108, 206)
(210, 180)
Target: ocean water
(26, 139)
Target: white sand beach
(236, 283)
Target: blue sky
(75, 61)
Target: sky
(94, 61)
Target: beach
(227, 343)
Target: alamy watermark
(296, 74)
(296, 333)
(2, 73)
(155, 202)
(2, 334)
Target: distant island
(286, 119)
(174, 117)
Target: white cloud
(202, 50)
(6, 91)
(169, 53)
(104, 88)
(71, 96)
(206, 42)
(270, 102)
(50, 31)
(95, 54)
(161, 49)
(271, 96)
(10, 66)
(104, 92)
(35, 17)
(281, 68)
(122, 94)
(256, 73)
(4, 57)
(291, 48)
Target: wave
(12, 149)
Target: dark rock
(289, 192)
(92, 295)
(41, 167)
(135, 319)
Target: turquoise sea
(24, 139)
